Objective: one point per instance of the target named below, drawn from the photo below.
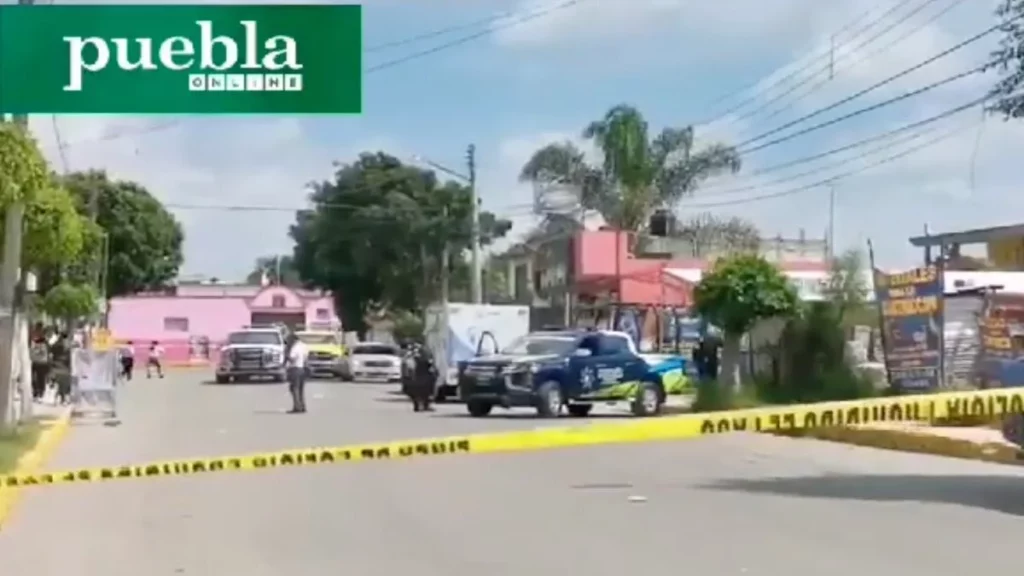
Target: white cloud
(603, 21)
(960, 182)
(222, 162)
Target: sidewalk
(53, 422)
(972, 443)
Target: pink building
(193, 321)
(604, 263)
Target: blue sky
(522, 86)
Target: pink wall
(145, 318)
(265, 299)
(320, 313)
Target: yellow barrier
(831, 414)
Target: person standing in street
(424, 379)
(155, 360)
(128, 361)
(297, 353)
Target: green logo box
(181, 59)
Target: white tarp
(470, 328)
(94, 371)
(94, 375)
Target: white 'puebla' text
(178, 53)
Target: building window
(323, 314)
(277, 301)
(175, 324)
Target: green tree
(143, 240)
(53, 233)
(277, 269)
(639, 174)
(1006, 97)
(846, 287)
(377, 233)
(70, 301)
(738, 292)
(23, 171)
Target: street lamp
(470, 179)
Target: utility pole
(9, 273)
(445, 272)
(831, 221)
(477, 280)
(832, 58)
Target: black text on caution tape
(290, 458)
(920, 409)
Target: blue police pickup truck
(556, 369)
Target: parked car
(554, 369)
(252, 353)
(373, 361)
(326, 352)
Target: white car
(374, 361)
(252, 353)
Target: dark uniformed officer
(422, 377)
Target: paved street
(738, 504)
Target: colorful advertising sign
(911, 309)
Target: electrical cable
(439, 32)
(832, 179)
(884, 82)
(859, 112)
(510, 23)
(866, 57)
(794, 74)
(903, 139)
(826, 68)
(862, 142)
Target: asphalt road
(739, 504)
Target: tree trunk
(731, 357)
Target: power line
(873, 107)
(511, 209)
(61, 148)
(821, 183)
(510, 23)
(864, 141)
(886, 81)
(508, 17)
(899, 39)
(705, 192)
(827, 66)
(807, 66)
(440, 32)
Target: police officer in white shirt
(296, 372)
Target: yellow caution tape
(830, 414)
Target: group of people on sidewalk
(50, 353)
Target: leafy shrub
(810, 363)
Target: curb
(33, 460)
(918, 443)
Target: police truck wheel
(580, 410)
(549, 400)
(649, 399)
(479, 408)
(223, 379)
